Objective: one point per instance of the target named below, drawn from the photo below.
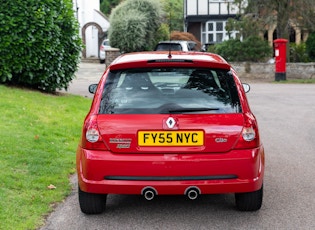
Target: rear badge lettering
(220, 140)
(122, 143)
(123, 146)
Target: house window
(210, 26)
(210, 38)
(214, 32)
(219, 37)
(219, 26)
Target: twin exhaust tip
(149, 193)
(191, 192)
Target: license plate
(170, 138)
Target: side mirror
(246, 87)
(92, 88)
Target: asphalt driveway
(88, 73)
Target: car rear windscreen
(170, 90)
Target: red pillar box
(281, 57)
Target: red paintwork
(247, 164)
(280, 55)
(234, 157)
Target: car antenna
(170, 30)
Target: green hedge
(135, 25)
(252, 49)
(298, 53)
(310, 46)
(39, 43)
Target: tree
(246, 25)
(283, 13)
(106, 6)
(135, 25)
(174, 14)
(260, 14)
(246, 22)
(307, 15)
(39, 43)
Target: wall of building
(206, 12)
(194, 28)
(88, 11)
(206, 7)
(111, 55)
(266, 72)
(220, 10)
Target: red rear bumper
(232, 172)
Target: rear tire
(91, 203)
(249, 201)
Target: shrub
(298, 53)
(252, 49)
(231, 50)
(39, 43)
(185, 36)
(135, 25)
(310, 46)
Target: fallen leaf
(51, 186)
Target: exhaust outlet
(192, 192)
(149, 193)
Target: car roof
(185, 44)
(169, 59)
(176, 41)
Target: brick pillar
(111, 55)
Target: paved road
(88, 73)
(287, 123)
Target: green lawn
(38, 138)
(298, 81)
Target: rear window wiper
(190, 110)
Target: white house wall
(202, 7)
(210, 7)
(92, 47)
(206, 19)
(88, 11)
(100, 19)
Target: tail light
(102, 48)
(249, 137)
(91, 137)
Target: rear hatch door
(176, 133)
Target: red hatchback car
(170, 124)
